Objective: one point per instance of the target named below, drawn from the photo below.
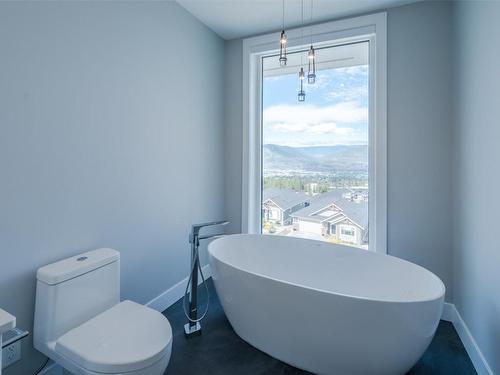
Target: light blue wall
(111, 134)
(476, 178)
(419, 136)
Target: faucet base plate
(191, 331)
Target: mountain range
(321, 159)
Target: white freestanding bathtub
(326, 308)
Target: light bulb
(283, 39)
(311, 53)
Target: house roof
(284, 198)
(318, 203)
(356, 212)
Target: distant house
(312, 188)
(356, 195)
(279, 204)
(331, 214)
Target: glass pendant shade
(283, 41)
(311, 71)
(301, 95)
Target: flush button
(81, 259)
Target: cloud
(355, 93)
(317, 129)
(342, 84)
(335, 111)
(359, 70)
(307, 117)
(329, 128)
(284, 127)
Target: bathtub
(325, 308)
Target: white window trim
(372, 28)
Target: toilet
(81, 324)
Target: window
(317, 151)
(347, 231)
(331, 150)
(333, 229)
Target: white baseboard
(451, 314)
(175, 293)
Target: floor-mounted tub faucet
(193, 325)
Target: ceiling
(233, 19)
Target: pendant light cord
(302, 19)
(302, 28)
(311, 23)
(283, 15)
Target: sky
(335, 110)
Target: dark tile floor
(219, 351)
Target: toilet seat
(125, 338)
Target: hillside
(321, 159)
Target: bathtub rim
(442, 288)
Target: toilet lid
(127, 337)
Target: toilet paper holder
(12, 336)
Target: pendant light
(311, 55)
(301, 95)
(311, 71)
(283, 40)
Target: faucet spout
(207, 236)
(196, 228)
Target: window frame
(371, 28)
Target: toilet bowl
(81, 324)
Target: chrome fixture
(193, 326)
(12, 336)
(283, 59)
(302, 94)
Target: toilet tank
(72, 291)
